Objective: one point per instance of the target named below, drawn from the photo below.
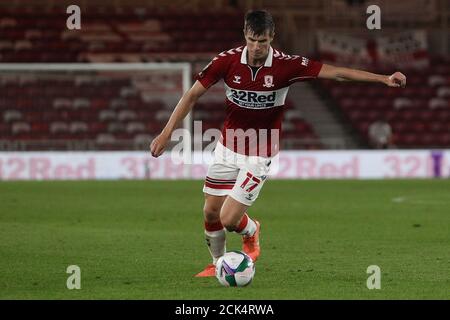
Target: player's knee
(211, 213)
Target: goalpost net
(78, 106)
(89, 106)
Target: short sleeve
(304, 69)
(213, 72)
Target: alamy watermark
(243, 147)
(74, 280)
(374, 280)
(74, 20)
(374, 20)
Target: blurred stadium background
(96, 110)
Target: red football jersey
(255, 98)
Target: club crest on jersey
(305, 61)
(268, 81)
(237, 79)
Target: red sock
(213, 226)
(243, 223)
(247, 227)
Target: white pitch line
(399, 199)
(403, 199)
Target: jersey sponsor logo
(268, 81)
(237, 79)
(256, 99)
(251, 99)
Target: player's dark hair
(258, 22)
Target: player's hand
(158, 145)
(397, 79)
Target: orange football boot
(250, 245)
(210, 271)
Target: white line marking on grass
(399, 199)
(403, 199)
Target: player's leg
(234, 215)
(214, 230)
(220, 179)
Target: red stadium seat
(443, 140)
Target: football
(235, 269)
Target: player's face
(258, 45)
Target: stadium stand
(41, 114)
(30, 35)
(78, 113)
(419, 114)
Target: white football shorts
(236, 175)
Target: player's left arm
(397, 79)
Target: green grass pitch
(144, 240)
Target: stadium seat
(437, 80)
(81, 103)
(125, 115)
(59, 103)
(163, 115)
(78, 127)
(105, 138)
(143, 139)
(11, 115)
(106, 115)
(135, 127)
(402, 102)
(20, 127)
(59, 127)
(443, 92)
(117, 103)
(293, 114)
(435, 103)
(116, 127)
(443, 139)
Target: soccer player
(257, 78)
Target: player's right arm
(213, 71)
(183, 107)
